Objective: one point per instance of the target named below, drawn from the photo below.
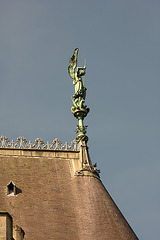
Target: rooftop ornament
(79, 109)
(38, 144)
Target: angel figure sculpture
(78, 99)
(80, 91)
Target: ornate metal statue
(79, 110)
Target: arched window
(11, 189)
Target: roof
(53, 203)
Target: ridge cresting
(22, 143)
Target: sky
(120, 40)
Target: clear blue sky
(121, 42)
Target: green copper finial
(79, 109)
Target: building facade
(54, 192)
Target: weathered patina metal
(79, 109)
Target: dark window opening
(11, 189)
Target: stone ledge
(66, 154)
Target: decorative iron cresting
(22, 143)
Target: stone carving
(87, 168)
(79, 109)
(22, 143)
